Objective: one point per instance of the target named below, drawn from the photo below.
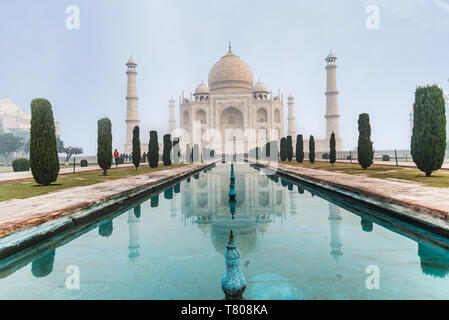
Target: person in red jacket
(116, 155)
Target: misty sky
(175, 43)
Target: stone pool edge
(430, 218)
(28, 235)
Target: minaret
(291, 119)
(171, 119)
(133, 231)
(335, 221)
(332, 116)
(132, 115)
(292, 202)
(174, 206)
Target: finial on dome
(230, 45)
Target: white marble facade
(243, 114)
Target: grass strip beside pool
(29, 188)
(439, 179)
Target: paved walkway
(18, 214)
(390, 194)
(25, 175)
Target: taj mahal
(231, 111)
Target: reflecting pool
(296, 242)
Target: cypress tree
(312, 149)
(153, 150)
(136, 146)
(104, 144)
(429, 129)
(365, 152)
(166, 156)
(333, 151)
(299, 148)
(289, 148)
(44, 161)
(283, 149)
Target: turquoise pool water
(296, 243)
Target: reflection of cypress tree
(196, 176)
(43, 266)
(300, 190)
(177, 188)
(155, 201)
(276, 179)
(290, 186)
(137, 211)
(367, 225)
(168, 194)
(434, 260)
(188, 180)
(284, 182)
(105, 228)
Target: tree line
(428, 144)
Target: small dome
(131, 61)
(230, 72)
(9, 108)
(331, 55)
(202, 89)
(260, 87)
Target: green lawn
(28, 188)
(439, 179)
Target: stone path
(393, 194)
(18, 214)
(24, 175)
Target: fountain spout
(233, 283)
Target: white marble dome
(260, 87)
(229, 73)
(202, 88)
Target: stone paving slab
(396, 195)
(19, 214)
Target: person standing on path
(116, 155)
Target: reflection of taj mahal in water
(258, 203)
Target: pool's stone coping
(23, 222)
(428, 206)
